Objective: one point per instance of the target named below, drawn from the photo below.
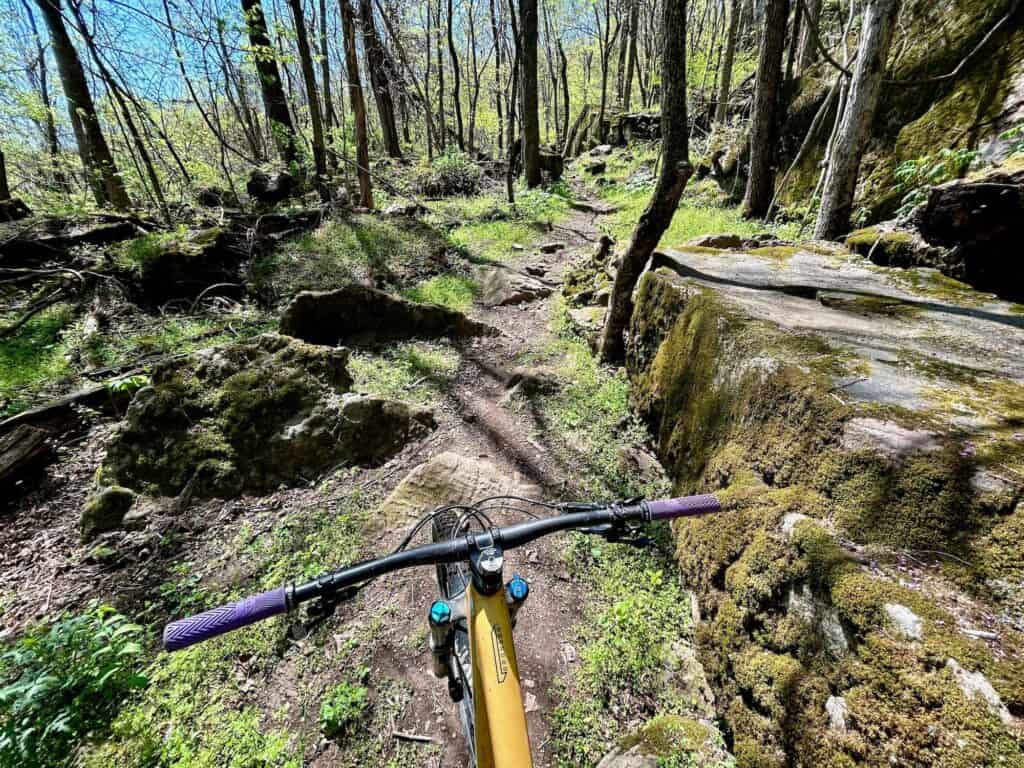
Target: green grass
(356, 248)
(32, 358)
(415, 372)
(136, 254)
(635, 610)
(452, 291)
(588, 420)
(199, 709)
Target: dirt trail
(45, 568)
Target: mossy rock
(105, 510)
(740, 407)
(251, 416)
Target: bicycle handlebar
(195, 629)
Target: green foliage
(589, 419)
(64, 683)
(415, 372)
(32, 358)
(137, 254)
(1016, 138)
(344, 706)
(916, 176)
(127, 384)
(452, 291)
(453, 173)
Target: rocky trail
(489, 439)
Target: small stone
(537, 270)
(904, 621)
(789, 523)
(517, 247)
(836, 708)
(529, 702)
(976, 686)
(551, 247)
(568, 653)
(106, 510)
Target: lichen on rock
(796, 617)
(251, 416)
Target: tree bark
(355, 98)
(634, 23)
(764, 126)
(49, 127)
(456, 79)
(275, 103)
(325, 84)
(675, 172)
(564, 132)
(107, 186)
(498, 95)
(855, 128)
(442, 135)
(5, 188)
(376, 63)
(725, 84)
(807, 51)
(528, 90)
(312, 97)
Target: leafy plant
(127, 384)
(453, 173)
(1016, 138)
(917, 175)
(343, 707)
(64, 684)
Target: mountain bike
(471, 622)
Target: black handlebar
(186, 632)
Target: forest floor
(602, 643)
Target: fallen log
(22, 450)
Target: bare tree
(456, 77)
(528, 89)
(855, 128)
(275, 102)
(675, 172)
(725, 75)
(39, 75)
(806, 49)
(5, 188)
(631, 55)
(606, 39)
(380, 82)
(764, 125)
(312, 98)
(107, 186)
(355, 98)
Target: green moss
(452, 291)
(33, 358)
(781, 253)
(417, 372)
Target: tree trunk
(5, 188)
(312, 97)
(675, 172)
(355, 98)
(275, 103)
(528, 90)
(442, 134)
(725, 83)
(794, 44)
(49, 127)
(565, 92)
(855, 128)
(807, 52)
(634, 25)
(325, 84)
(376, 63)
(106, 184)
(456, 79)
(498, 95)
(764, 125)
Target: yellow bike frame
(500, 721)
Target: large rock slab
(358, 314)
(253, 416)
(450, 478)
(868, 454)
(968, 229)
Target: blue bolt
(440, 612)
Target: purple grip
(684, 506)
(217, 621)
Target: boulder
(358, 314)
(13, 209)
(966, 229)
(590, 276)
(105, 511)
(552, 164)
(215, 197)
(271, 188)
(595, 167)
(165, 266)
(601, 149)
(253, 415)
(450, 478)
(502, 286)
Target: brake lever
(324, 607)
